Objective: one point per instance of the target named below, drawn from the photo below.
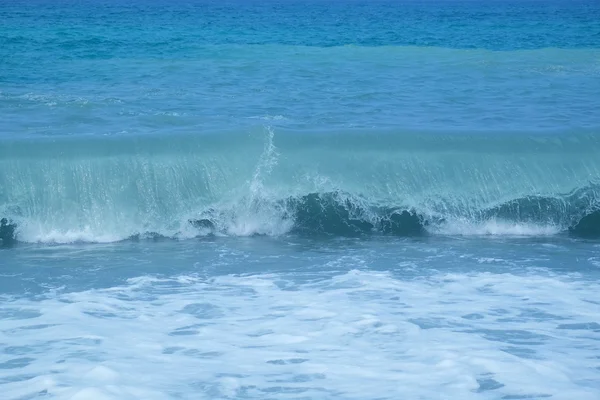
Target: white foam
(101, 374)
(255, 214)
(495, 227)
(357, 335)
(91, 394)
(85, 235)
(269, 117)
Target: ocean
(284, 199)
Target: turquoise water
(286, 200)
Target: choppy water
(318, 200)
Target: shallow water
(290, 318)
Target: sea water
(300, 200)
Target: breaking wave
(310, 184)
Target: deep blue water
(300, 200)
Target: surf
(279, 182)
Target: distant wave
(353, 183)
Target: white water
(356, 335)
(495, 227)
